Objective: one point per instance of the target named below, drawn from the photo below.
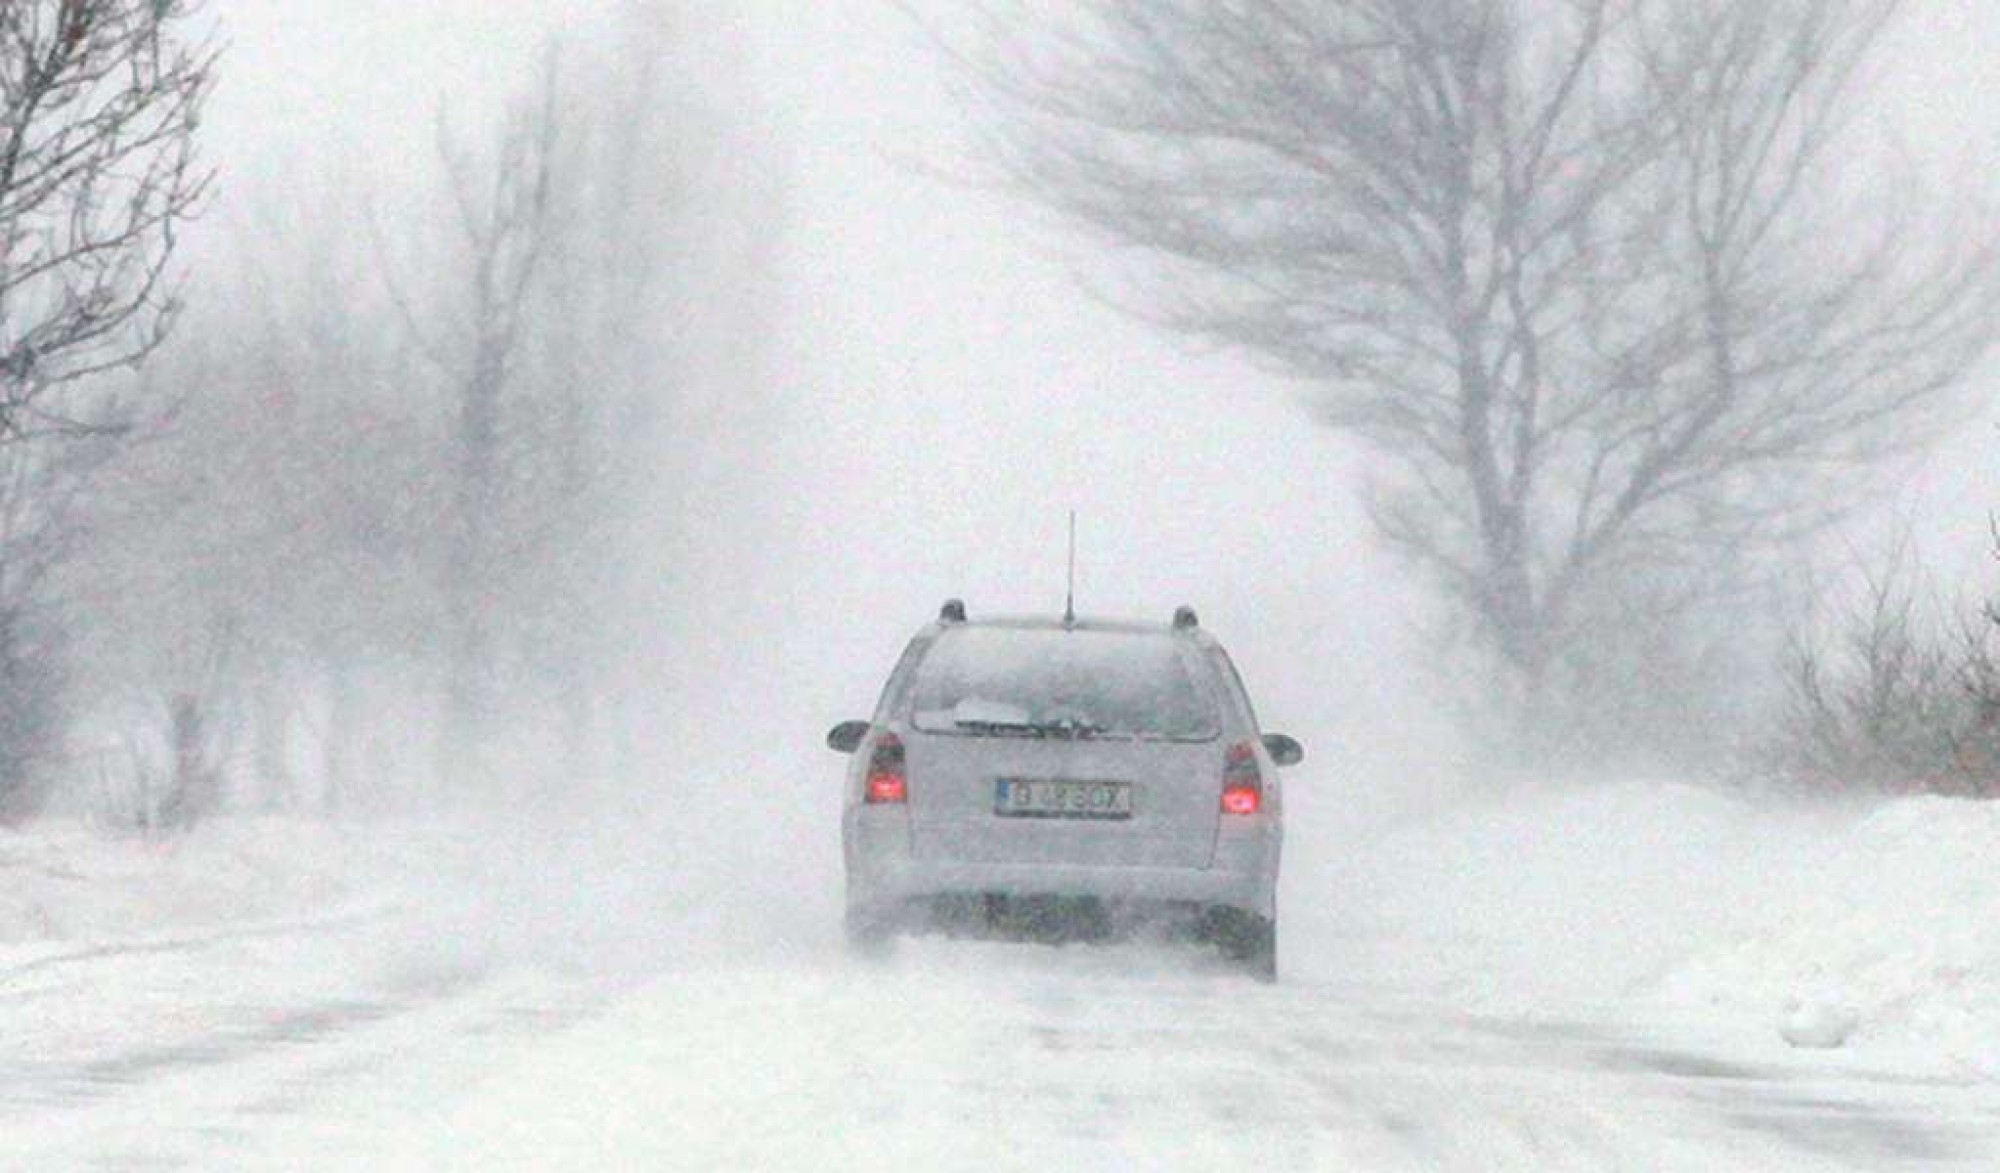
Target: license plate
(1037, 798)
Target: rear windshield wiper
(1065, 728)
(1002, 728)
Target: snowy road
(325, 1046)
(205, 1050)
(983, 1057)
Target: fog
(930, 387)
(933, 395)
(940, 390)
(873, 381)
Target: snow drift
(1871, 927)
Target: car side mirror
(847, 736)
(1286, 751)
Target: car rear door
(1136, 782)
(964, 806)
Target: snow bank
(64, 882)
(1876, 929)
(1893, 926)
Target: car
(1065, 777)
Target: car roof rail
(1185, 619)
(953, 611)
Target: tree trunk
(469, 667)
(270, 748)
(192, 795)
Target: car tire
(1247, 940)
(870, 935)
(1259, 958)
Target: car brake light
(1242, 784)
(887, 781)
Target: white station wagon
(1065, 779)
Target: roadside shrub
(1902, 697)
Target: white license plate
(1037, 798)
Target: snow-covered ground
(65, 884)
(1649, 900)
(1891, 923)
(1610, 977)
(980, 1058)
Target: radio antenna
(1069, 601)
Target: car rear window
(1031, 682)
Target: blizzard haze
(801, 370)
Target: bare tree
(646, 263)
(1583, 273)
(1901, 696)
(504, 213)
(422, 490)
(99, 100)
(560, 356)
(475, 338)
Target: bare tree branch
(98, 104)
(1582, 272)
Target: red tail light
(1242, 783)
(888, 783)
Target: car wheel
(1250, 941)
(870, 935)
(1259, 957)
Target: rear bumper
(882, 873)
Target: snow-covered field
(1616, 977)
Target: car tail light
(888, 782)
(1242, 783)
